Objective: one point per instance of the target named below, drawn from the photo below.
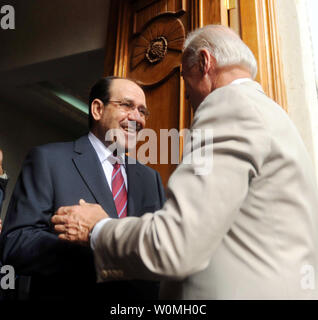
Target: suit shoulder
(244, 97)
(54, 151)
(55, 146)
(233, 95)
(236, 102)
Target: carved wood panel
(154, 61)
(149, 36)
(144, 11)
(145, 39)
(156, 52)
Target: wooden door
(145, 39)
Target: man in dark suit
(61, 174)
(3, 184)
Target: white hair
(225, 46)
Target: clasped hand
(74, 223)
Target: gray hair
(224, 45)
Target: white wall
(298, 64)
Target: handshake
(74, 223)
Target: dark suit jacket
(56, 175)
(3, 184)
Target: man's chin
(127, 145)
(121, 146)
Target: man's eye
(126, 104)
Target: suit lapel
(134, 189)
(91, 171)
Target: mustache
(132, 125)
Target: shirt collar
(102, 151)
(241, 80)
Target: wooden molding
(205, 12)
(196, 14)
(121, 54)
(279, 91)
(259, 32)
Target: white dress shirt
(241, 80)
(106, 158)
(4, 176)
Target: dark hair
(100, 91)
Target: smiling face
(114, 118)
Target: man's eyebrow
(133, 102)
(128, 100)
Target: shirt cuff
(96, 230)
(4, 176)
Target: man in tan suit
(247, 229)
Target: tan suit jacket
(245, 230)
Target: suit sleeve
(28, 241)
(203, 198)
(161, 191)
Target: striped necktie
(119, 191)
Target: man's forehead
(128, 90)
(122, 85)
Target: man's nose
(134, 115)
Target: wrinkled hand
(74, 223)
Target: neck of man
(98, 134)
(101, 137)
(226, 75)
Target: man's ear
(97, 109)
(206, 61)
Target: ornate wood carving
(157, 50)
(147, 10)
